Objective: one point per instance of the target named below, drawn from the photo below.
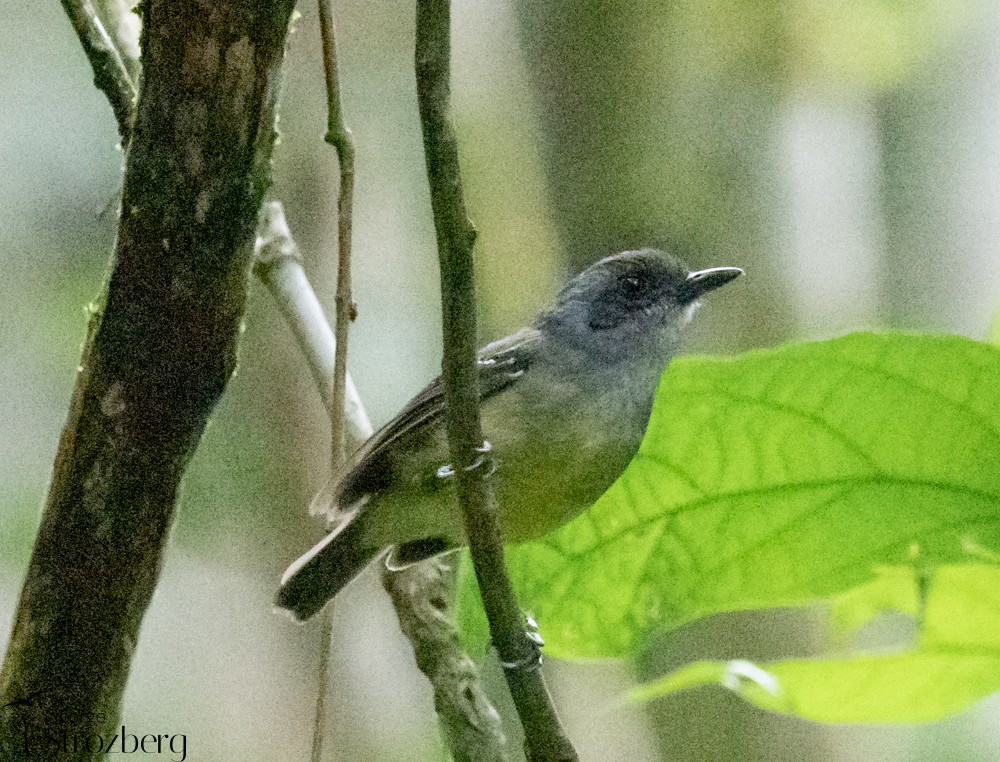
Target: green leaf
(780, 477)
(911, 687)
(955, 661)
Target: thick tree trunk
(156, 361)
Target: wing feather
(372, 466)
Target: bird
(564, 403)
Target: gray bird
(565, 405)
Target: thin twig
(339, 136)
(110, 75)
(544, 736)
(322, 684)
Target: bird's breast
(557, 450)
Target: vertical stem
(339, 136)
(322, 684)
(544, 736)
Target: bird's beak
(701, 282)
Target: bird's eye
(633, 288)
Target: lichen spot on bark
(201, 62)
(113, 400)
(238, 77)
(190, 125)
(192, 158)
(201, 206)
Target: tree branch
(156, 361)
(423, 595)
(110, 75)
(278, 267)
(544, 736)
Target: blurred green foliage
(855, 44)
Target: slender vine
(545, 738)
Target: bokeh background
(845, 153)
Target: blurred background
(845, 153)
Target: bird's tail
(323, 571)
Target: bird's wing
(371, 468)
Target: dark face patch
(629, 307)
(639, 286)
